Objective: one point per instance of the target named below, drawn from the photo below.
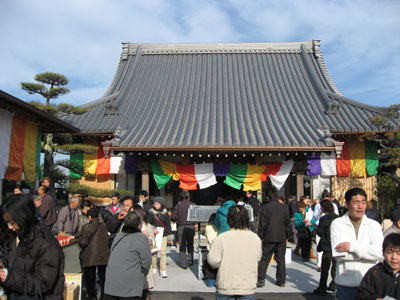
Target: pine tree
(50, 86)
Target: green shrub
(74, 188)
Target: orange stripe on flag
(188, 180)
(17, 142)
(103, 163)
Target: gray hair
(73, 199)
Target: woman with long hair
(33, 261)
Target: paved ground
(302, 278)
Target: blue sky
(360, 39)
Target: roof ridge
(99, 101)
(378, 109)
(172, 48)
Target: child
(382, 281)
(159, 217)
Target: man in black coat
(273, 230)
(255, 204)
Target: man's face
(357, 207)
(392, 257)
(128, 203)
(46, 183)
(142, 198)
(41, 191)
(248, 195)
(114, 200)
(17, 191)
(74, 204)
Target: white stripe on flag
(279, 179)
(328, 164)
(204, 174)
(117, 163)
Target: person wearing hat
(395, 228)
(159, 218)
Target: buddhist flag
(162, 175)
(314, 165)
(103, 162)
(16, 154)
(343, 163)
(328, 164)
(279, 179)
(76, 159)
(5, 136)
(90, 161)
(357, 158)
(246, 174)
(371, 158)
(191, 175)
(117, 163)
(29, 161)
(131, 164)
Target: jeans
(346, 293)
(220, 296)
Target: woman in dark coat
(94, 243)
(33, 261)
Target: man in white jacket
(356, 243)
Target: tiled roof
(223, 95)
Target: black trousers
(109, 297)
(90, 280)
(186, 236)
(279, 251)
(326, 262)
(305, 245)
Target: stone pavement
(302, 278)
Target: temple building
(220, 118)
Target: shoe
(332, 288)
(155, 271)
(280, 284)
(164, 274)
(319, 291)
(260, 283)
(306, 259)
(191, 260)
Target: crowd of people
(120, 244)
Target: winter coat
(96, 251)
(221, 218)
(48, 210)
(365, 249)
(113, 226)
(299, 218)
(164, 218)
(129, 263)
(274, 223)
(378, 282)
(43, 264)
(323, 230)
(255, 204)
(119, 209)
(180, 213)
(68, 220)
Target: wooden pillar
(146, 181)
(299, 185)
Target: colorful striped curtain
(16, 155)
(343, 163)
(30, 148)
(103, 162)
(371, 158)
(76, 159)
(90, 161)
(357, 158)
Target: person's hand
(155, 231)
(3, 275)
(305, 221)
(291, 219)
(343, 247)
(122, 215)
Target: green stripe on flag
(371, 158)
(77, 159)
(237, 174)
(160, 177)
